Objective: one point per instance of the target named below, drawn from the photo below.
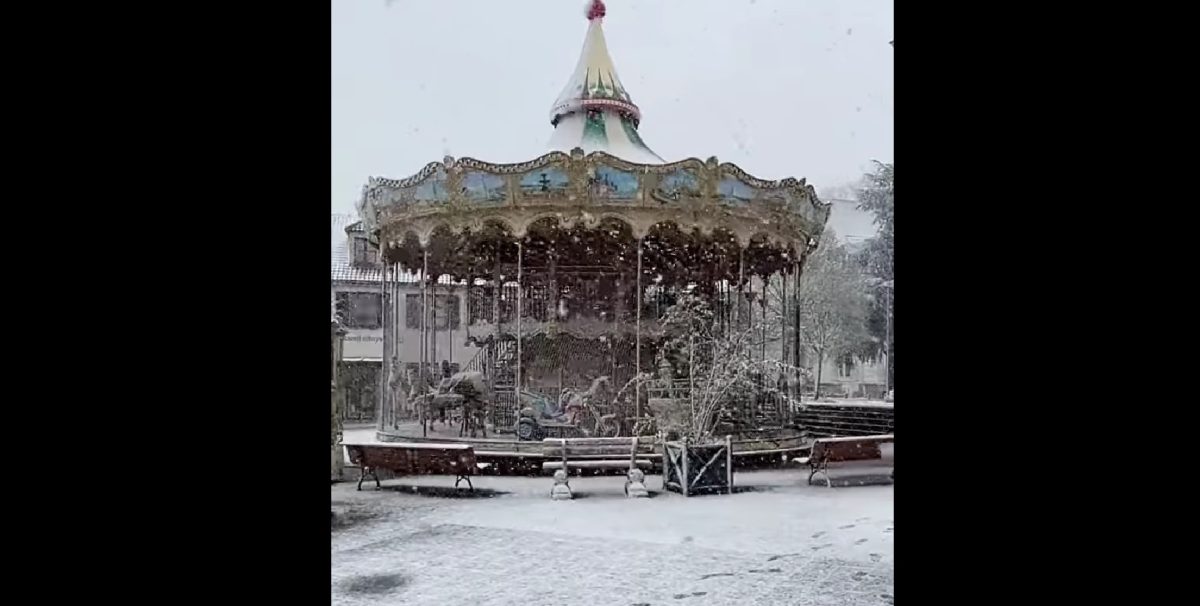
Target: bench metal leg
(363, 475)
(462, 477)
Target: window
(360, 309)
(445, 315)
(846, 367)
(364, 253)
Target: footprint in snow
(846, 527)
(860, 541)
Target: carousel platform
(509, 456)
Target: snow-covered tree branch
(832, 304)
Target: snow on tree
(876, 196)
(721, 363)
(832, 304)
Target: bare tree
(832, 303)
(722, 362)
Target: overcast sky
(799, 88)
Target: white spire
(595, 111)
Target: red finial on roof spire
(596, 10)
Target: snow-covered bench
(594, 453)
(846, 450)
(415, 459)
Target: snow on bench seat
(846, 450)
(595, 464)
(414, 445)
(416, 458)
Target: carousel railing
(834, 419)
(764, 408)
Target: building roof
(594, 110)
(341, 268)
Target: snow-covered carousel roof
(594, 111)
(598, 169)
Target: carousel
(568, 263)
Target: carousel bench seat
(594, 453)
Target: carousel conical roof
(595, 111)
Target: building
(355, 290)
(851, 377)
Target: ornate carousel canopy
(607, 175)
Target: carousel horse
(582, 406)
(465, 391)
(472, 388)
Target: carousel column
(381, 399)
(398, 400)
(796, 329)
(737, 312)
(385, 369)
(433, 322)
(638, 336)
(551, 307)
(421, 378)
(783, 322)
(520, 296)
(762, 360)
(493, 354)
(765, 292)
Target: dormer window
(363, 252)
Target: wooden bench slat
(411, 446)
(597, 464)
(847, 449)
(410, 459)
(595, 449)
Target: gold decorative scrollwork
(581, 189)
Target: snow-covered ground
(419, 542)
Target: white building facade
(356, 291)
